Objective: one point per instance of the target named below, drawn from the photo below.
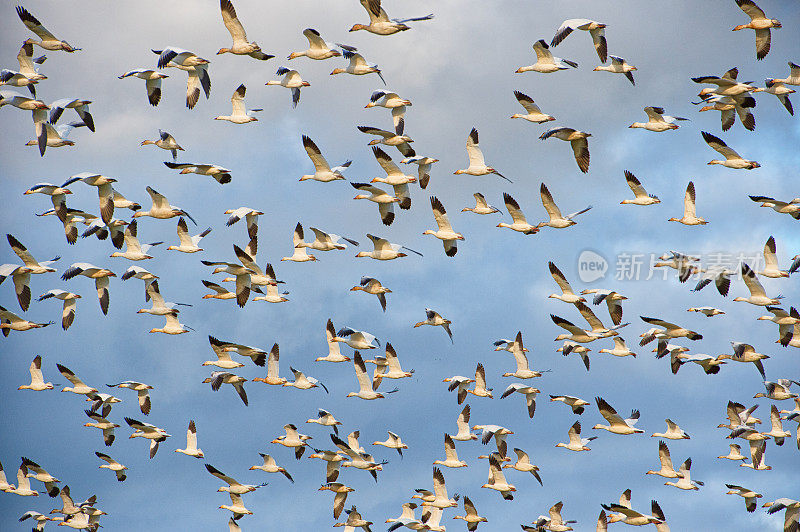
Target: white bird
(303, 382)
(188, 244)
(191, 442)
(220, 174)
(270, 466)
(218, 378)
(155, 434)
(393, 442)
(23, 484)
(689, 210)
(657, 120)
(462, 423)
(133, 249)
(595, 29)
(385, 250)
(519, 222)
(37, 379)
(685, 481)
(322, 170)
(450, 454)
(47, 40)
(575, 403)
(373, 286)
(379, 22)
(240, 46)
(233, 487)
(445, 231)
(424, 163)
(100, 276)
(771, 268)
(394, 177)
(546, 62)
(292, 81)
(524, 465)
(300, 253)
(388, 138)
(477, 165)
(732, 159)
(165, 141)
(317, 47)
(617, 425)
(142, 393)
(757, 294)
(557, 220)
(577, 139)
(760, 23)
(641, 195)
(196, 67)
(334, 352)
(667, 469)
(382, 198)
(481, 206)
(533, 113)
(358, 66)
(112, 465)
(435, 319)
(365, 384)
(152, 82)
(273, 366)
(239, 113)
(618, 66)
(161, 208)
(171, 325)
(528, 391)
(81, 107)
(497, 480)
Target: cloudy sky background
(458, 70)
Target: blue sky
(458, 70)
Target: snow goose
(481, 206)
(218, 378)
(37, 472)
(220, 292)
(317, 47)
(373, 286)
(334, 353)
(233, 486)
(326, 419)
(258, 356)
(667, 469)
(734, 453)
(785, 321)
(674, 432)
(300, 254)
(595, 29)
(382, 198)
(778, 391)
(52, 136)
(392, 369)
(528, 391)
(340, 497)
(161, 208)
(757, 294)
(152, 82)
(792, 507)
(578, 349)
(546, 62)
(97, 227)
(393, 442)
(385, 250)
(576, 334)
(356, 339)
(4, 485)
(616, 425)
(657, 120)
(729, 107)
(424, 163)
(670, 330)
(519, 222)
(567, 295)
(100, 276)
(270, 466)
(631, 517)
(533, 114)
(27, 76)
(133, 249)
(354, 520)
(708, 312)
(498, 433)
(291, 80)
(689, 213)
(365, 384)
(112, 465)
(273, 365)
(39, 519)
(435, 319)
(47, 40)
(358, 66)
(747, 353)
(450, 454)
(155, 434)
(171, 325)
(477, 165)
(445, 231)
(196, 68)
(322, 170)
(23, 102)
(142, 392)
(303, 382)
(394, 177)
(726, 85)
(220, 174)
(250, 216)
(389, 100)
(760, 23)
(236, 506)
(379, 22)
(471, 516)
(732, 159)
(240, 46)
(749, 495)
(57, 197)
(554, 522)
(20, 275)
(771, 268)
(524, 465)
(224, 359)
(577, 139)
(791, 208)
(612, 300)
(462, 423)
(781, 91)
(777, 432)
(81, 107)
(100, 422)
(685, 481)
(165, 142)
(37, 380)
(497, 480)
(272, 295)
(557, 220)
(440, 498)
(459, 382)
(179, 56)
(618, 66)
(575, 403)
(792, 79)
(396, 139)
(480, 389)
(239, 113)
(620, 349)
(23, 483)
(358, 458)
(188, 244)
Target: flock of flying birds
(726, 94)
